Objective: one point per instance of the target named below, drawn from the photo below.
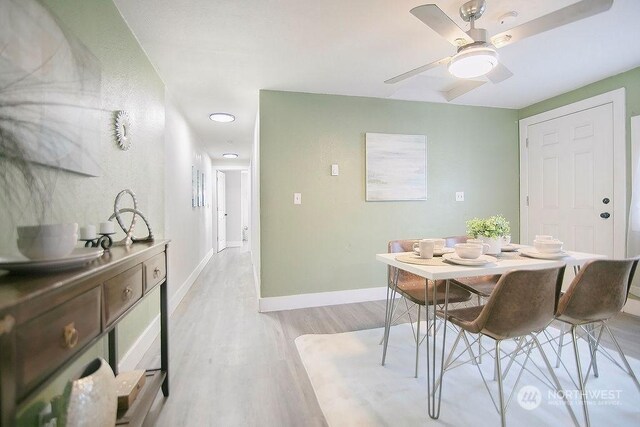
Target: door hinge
(527, 201)
(527, 143)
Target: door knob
(605, 215)
(606, 200)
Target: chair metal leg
(555, 380)
(622, 356)
(417, 342)
(387, 326)
(574, 337)
(592, 349)
(386, 315)
(560, 344)
(498, 369)
(480, 337)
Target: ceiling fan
(477, 54)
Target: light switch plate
(459, 196)
(335, 170)
(297, 198)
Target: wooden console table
(48, 320)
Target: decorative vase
(495, 244)
(91, 400)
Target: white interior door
(222, 211)
(570, 180)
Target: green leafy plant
(494, 226)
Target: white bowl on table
(468, 250)
(548, 246)
(48, 241)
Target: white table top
(510, 261)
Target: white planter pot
(495, 244)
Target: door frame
(617, 99)
(218, 198)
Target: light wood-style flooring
(233, 366)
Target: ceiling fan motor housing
(472, 10)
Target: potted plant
(490, 230)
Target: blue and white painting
(396, 167)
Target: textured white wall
(189, 228)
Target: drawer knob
(156, 272)
(127, 293)
(70, 335)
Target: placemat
(415, 259)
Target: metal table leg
(435, 372)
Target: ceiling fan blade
(461, 88)
(435, 18)
(575, 12)
(417, 71)
(499, 74)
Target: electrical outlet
(459, 196)
(297, 198)
(335, 170)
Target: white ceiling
(215, 55)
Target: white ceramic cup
(438, 243)
(485, 246)
(543, 237)
(425, 248)
(469, 250)
(548, 245)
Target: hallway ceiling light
(222, 117)
(230, 155)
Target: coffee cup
(438, 243)
(425, 248)
(543, 237)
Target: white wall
(233, 206)
(189, 228)
(254, 228)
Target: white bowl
(468, 250)
(48, 230)
(47, 247)
(548, 246)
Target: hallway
(231, 365)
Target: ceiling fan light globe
(473, 62)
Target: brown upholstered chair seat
(414, 291)
(464, 317)
(480, 285)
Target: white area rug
(353, 389)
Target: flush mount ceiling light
(230, 155)
(222, 117)
(473, 61)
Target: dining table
(443, 269)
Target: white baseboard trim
(134, 355)
(632, 307)
(292, 302)
(180, 293)
(234, 244)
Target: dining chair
(596, 294)
(522, 304)
(480, 286)
(414, 291)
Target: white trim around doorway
(618, 101)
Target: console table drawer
(47, 341)
(122, 292)
(155, 270)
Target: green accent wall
(329, 242)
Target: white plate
(77, 258)
(509, 248)
(482, 260)
(438, 252)
(532, 253)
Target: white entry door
(222, 210)
(570, 180)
